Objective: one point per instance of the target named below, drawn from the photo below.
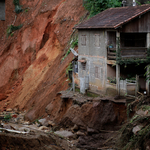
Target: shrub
(18, 7)
(12, 28)
(96, 6)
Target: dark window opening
(133, 39)
(111, 38)
(2, 9)
(83, 66)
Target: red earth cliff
(31, 70)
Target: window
(97, 40)
(96, 72)
(83, 40)
(2, 9)
(83, 66)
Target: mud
(74, 121)
(35, 141)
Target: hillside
(31, 70)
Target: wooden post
(147, 81)
(137, 85)
(148, 69)
(118, 66)
(73, 84)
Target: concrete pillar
(118, 66)
(148, 68)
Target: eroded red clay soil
(31, 71)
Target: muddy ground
(73, 121)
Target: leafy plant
(69, 68)
(11, 29)
(18, 7)
(112, 80)
(7, 117)
(96, 6)
(66, 54)
(148, 2)
(73, 44)
(26, 10)
(127, 61)
(147, 74)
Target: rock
(7, 126)
(51, 123)
(3, 96)
(43, 128)
(136, 129)
(79, 133)
(141, 112)
(91, 131)
(24, 129)
(43, 122)
(26, 123)
(9, 110)
(75, 127)
(15, 110)
(64, 133)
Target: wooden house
(113, 46)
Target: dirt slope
(31, 71)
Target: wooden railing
(128, 52)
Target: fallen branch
(13, 131)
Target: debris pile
(135, 134)
(76, 122)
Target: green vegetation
(138, 3)
(26, 10)
(127, 61)
(136, 132)
(90, 94)
(11, 29)
(96, 6)
(69, 68)
(73, 44)
(130, 140)
(112, 80)
(7, 117)
(18, 7)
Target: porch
(127, 52)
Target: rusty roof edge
(105, 27)
(76, 27)
(117, 26)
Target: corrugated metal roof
(114, 17)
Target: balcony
(127, 52)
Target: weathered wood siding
(140, 24)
